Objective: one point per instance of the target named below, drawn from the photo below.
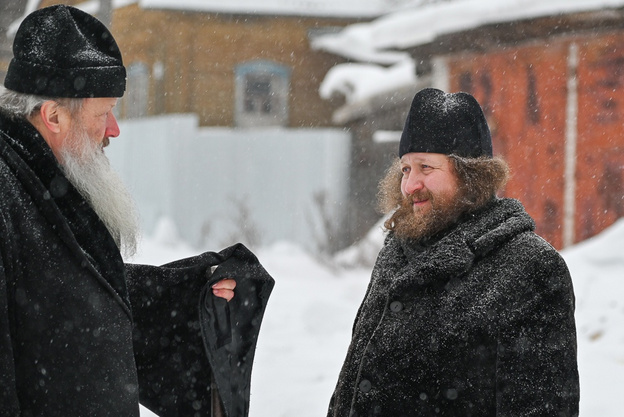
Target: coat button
(365, 385)
(396, 306)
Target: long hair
(479, 181)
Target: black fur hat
(61, 51)
(446, 123)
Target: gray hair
(19, 105)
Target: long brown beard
(479, 180)
(410, 223)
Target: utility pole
(571, 133)
(105, 14)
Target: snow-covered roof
(89, 6)
(328, 8)
(421, 24)
(357, 82)
(360, 9)
(93, 6)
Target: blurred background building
(289, 79)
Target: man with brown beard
(81, 332)
(468, 311)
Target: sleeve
(8, 393)
(185, 337)
(536, 359)
(173, 373)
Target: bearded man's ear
(53, 121)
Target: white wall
(196, 176)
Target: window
(258, 94)
(262, 94)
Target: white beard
(88, 169)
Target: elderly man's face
(98, 121)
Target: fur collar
(456, 251)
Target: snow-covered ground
(307, 325)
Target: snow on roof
(329, 8)
(360, 81)
(376, 42)
(91, 6)
(417, 25)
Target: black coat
(478, 323)
(83, 334)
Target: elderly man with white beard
(81, 332)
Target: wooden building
(232, 70)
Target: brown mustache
(418, 196)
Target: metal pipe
(571, 137)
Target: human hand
(224, 289)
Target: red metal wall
(523, 91)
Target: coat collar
(68, 212)
(453, 254)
